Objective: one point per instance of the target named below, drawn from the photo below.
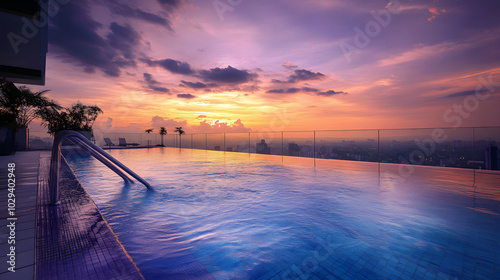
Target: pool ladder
(79, 140)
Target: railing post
(206, 141)
(224, 142)
(282, 147)
(314, 147)
(473, 148)
(55, 162)
(378, 146)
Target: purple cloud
(186, 95)
(305, 75)
(229, 75)
(330, 93)
(174, 66)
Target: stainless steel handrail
(79, 140)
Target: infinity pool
(239, 216)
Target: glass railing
(468, 147)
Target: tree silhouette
(78, 117)
(163, 131)
(21, 105)
(180, 131)
(148, 131)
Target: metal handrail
(79, 140)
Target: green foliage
(20, 106)
(78, 117)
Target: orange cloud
(435, 11)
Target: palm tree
(148, 131)
(163, 131)
(23, 104)
(180, 131)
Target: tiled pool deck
(26, 172)
(70, 241)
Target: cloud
(109, 123)
(170, 3)
(308, 89)
(174, 66)
(435, 11)
(220, 126)
(289, 65)
(463, 93)
(330, 93)
(129, 12)
(293, 90)
(419, 53)
(152, 84)
(149, 78)
(197, 85)
(203, 127)
(276, 91)
(123, 38)
(159, 89)
(201, 117)
(305, 75)
(275, 81)
(75, 37)
(186, 95)
(158, 121)
(227, 75)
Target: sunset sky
(236, 65)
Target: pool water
(239, 216)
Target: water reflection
(235, 214)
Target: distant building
(229, 149)
(217, 148)
(239, 148)
(491, 158)
(322, 150)
(293, 149)
(262, 148)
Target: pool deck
(26, 172)
(69, 241)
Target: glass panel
(436, 147)
(169, 140)
(298, 143)
(185, 140)
(486, 153)
(359, 145)
(447, 147)
(266, 143)
(237, 142)
(215, 141)
(199, 141)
